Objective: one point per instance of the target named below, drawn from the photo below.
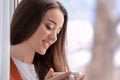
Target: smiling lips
(46, 44)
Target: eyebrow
(52, 21)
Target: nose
(53, 36)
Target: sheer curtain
(4, 39)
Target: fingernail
(51, 69)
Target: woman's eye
(48, 27)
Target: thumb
(49, 74)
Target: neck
(22, 52)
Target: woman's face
(47, 31)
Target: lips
(46, 44)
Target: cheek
(39, 34)
(36, 44)
(36, 40)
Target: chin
(42, 52)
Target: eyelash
(48, 27)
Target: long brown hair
(25, 21)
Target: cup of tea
(71, 77)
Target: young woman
(38, 34)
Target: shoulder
(14, 73)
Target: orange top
(14, 73)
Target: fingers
(82, 77)
(49, 74)
(61, 76)
(75, 77)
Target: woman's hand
(81, 78)
(49, 75)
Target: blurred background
(93, 37)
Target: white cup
(71, 77)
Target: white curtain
(4, 39)
(7, 8)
